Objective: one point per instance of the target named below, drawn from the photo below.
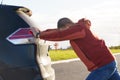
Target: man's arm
(71, 33)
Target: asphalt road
(73, 69)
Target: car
(21, 61)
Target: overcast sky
(104, 15)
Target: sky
(104, 15)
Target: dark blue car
(17, 62)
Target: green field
(68, 54)
(115, 51)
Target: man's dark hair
(63, 21)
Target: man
(89, 48)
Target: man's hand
(35, 32)
(85, 22)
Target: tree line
(115, 47)
(69, 47)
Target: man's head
(64, 22)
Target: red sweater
(90, 49)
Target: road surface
(73, 69)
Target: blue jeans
(107, 72)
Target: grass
(115, 51)
(68, 54)
(62, 54)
